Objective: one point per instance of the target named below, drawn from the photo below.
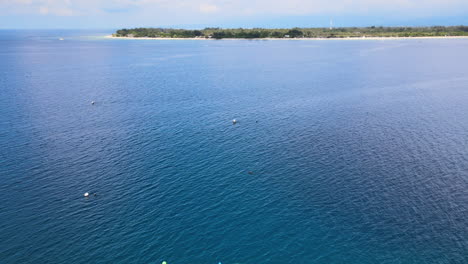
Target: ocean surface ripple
(345, 151)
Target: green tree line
(253, 33)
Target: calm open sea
(345, 151)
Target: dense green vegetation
(344, 32)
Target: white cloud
(43, 10)
(234, 8)
(208, 8)
(56, 10)
(300, 7)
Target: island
(292, 33)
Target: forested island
(259, 33)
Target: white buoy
(234, 121)
(92, 102)
(86, 194)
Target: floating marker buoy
(92, 102)
(86, 194)
(164, 262)
(234, 121)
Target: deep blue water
(345, 151)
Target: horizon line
(220, 27)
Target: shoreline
(347, 38)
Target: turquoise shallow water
(345, 151)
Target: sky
(113, 14)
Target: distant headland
(294, 33)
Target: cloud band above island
(240, 13)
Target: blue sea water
(345, 151)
